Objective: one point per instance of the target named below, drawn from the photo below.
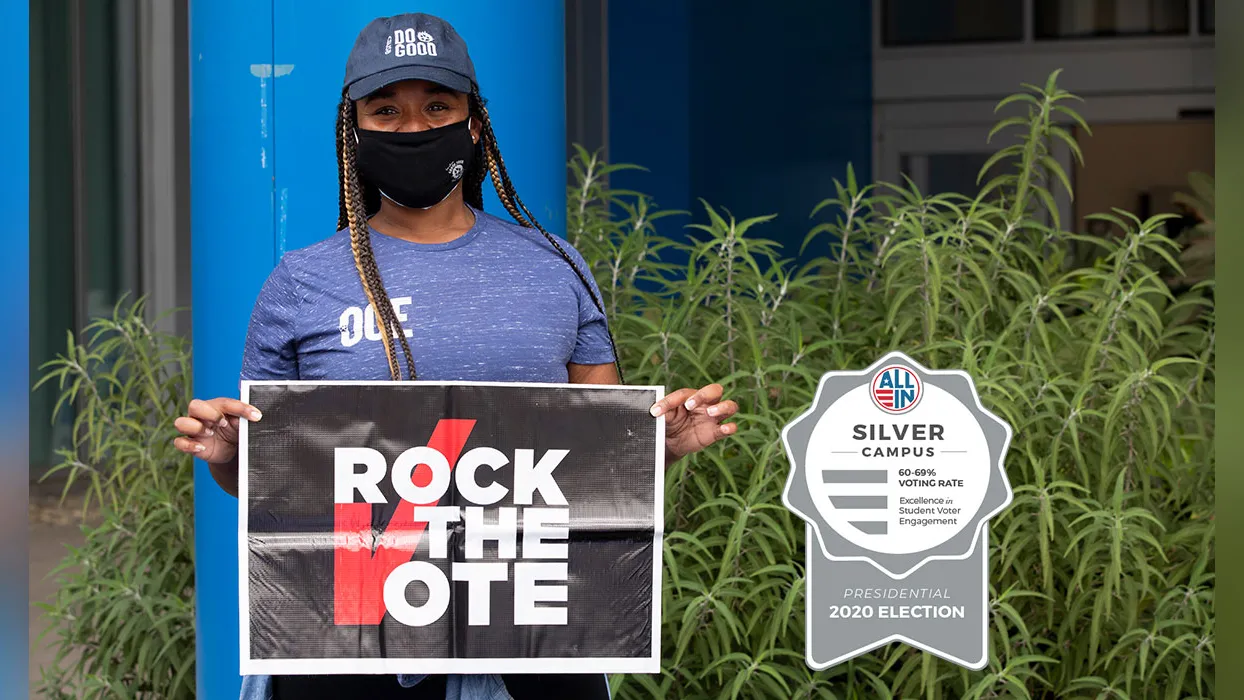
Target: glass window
(1207, 17)
(945, 173)
(1074, 19)
(956, 172)
(587, 75)
(83, 253)
(913, 22)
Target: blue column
(266, 77)
(231, 184)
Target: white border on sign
(558, 664)
(249, 666)
(244, 594)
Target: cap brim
(365, 86)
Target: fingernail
(712, 410)
(224, 422)
(199, 448)
(655, 410)
(690, 404)
(256, 415)
(208, 432)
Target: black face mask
(416, 169)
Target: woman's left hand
(693, 420)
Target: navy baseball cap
(408, 47)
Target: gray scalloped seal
(879, 590)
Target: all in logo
(455, 169)
(407, 42)
(896, 389)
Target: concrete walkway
(52, 528)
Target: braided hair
(357, 202)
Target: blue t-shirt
(498, 303)
(495, 304)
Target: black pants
(520, 685)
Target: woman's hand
(210, 430)
(693, 420)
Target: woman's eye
(386, 110)
(437, 107)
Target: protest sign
(424, 527)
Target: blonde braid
(354, 212)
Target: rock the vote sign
(422, 527)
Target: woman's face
(414, 105)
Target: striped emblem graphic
(866, 506)
(896, 389)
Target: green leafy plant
(122, 622)
(1102, 570)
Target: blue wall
(755, 106)
(265, 82)
(649, 117)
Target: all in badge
(897, 470)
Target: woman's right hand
(210, 429)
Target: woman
(462, 295)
